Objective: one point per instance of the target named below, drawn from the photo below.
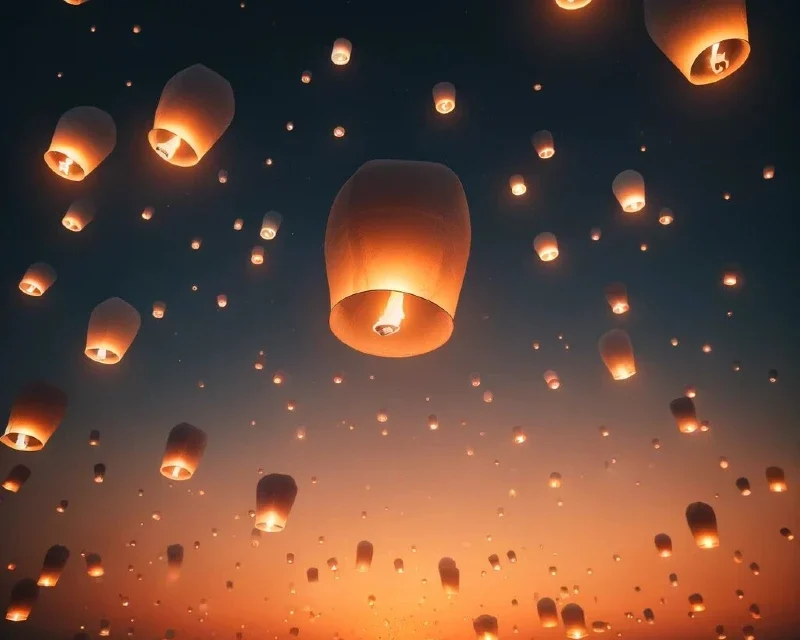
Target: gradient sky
(607, 90)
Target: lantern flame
(22, 441)
(168, 148)
(392, 316)
(64, 165)
(102, 354)
(718, 61)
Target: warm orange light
(554, 482)
(305, 77)
(546, 246)
(616, 351)
(341, 52)
(184, 450)
(36, 412)
(222, 301)
(83, 138)
(548, 613)
(79, 214)
(543, 144)
(776, 480)
(628, 187)
(702, 522)
(113, 326)
(222, 176)
(617, 297)
(574, 622)
(666, 217)
(517, 185)
(518, 435)
(444, 97)
(552, 380)
(572, 5)
(338, 132)
(684, 413)
(39, 277)
(238, 224)
(275, 496)
(147, 213)
(769, 172)
(159, 309)
(270, 225)
(595, 234)
(257, 255)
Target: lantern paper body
(37, 279)
(572, 5)
(543, 144)
(743, 485)
(663, 545)
(574, 622)
(517, 185)
(444, 97)
(398, 565)
(159, 309)
(174, 559)
(275, 495)
(703, 524)
(707, 41)
(776, 479)
(364, 553)
(83, 138)
(396, 249)
(80, 213)
(18, 476)
(94, 565)
(548, 613)
(696, 603)
(35, 415)
(552, 380)
(628, 187)
(450, 576)
(23, 596)
(617, 353)
(341, 52)
(617, 297)
(546, 247)
(485, 627)
(257, 255)
(312, 574)
(270, 225)
(54, 562)
(112, 327)
(185, 446)
(195, 109)
(684, 413)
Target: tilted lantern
(663, 545)
(546, 247)
(270, 225)
(18, 476)
(628, 187)
(79, 214)
(275, 495)
(364, 552)
(341, 51)
(185, 447)
(83, 138)
(444, 97)
(702, 523)
(485, 627)
(684, 413)
(54, 562)
(23, 596)
(39, 277)
(543, 144)
(396, 249)
(37, 411)
(776, 479)
(617, 297)
(574, 621)
(195, 108)
(449, 575)
(548, 613)
(616, 351)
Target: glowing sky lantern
(17, 477)
(696, 603)
(628, 187)
(617, 297)
(616, 351)
(543, 144)
(222, 301)
(702, 523)
(518, 435)
(548, 613)
(270, 225)
(546, 246)
(312, 575)
(554, 481)
(444, 97)
(23, 597)
(184, 450)
(174, 560)
(275, 495)
(39, 277)
(195, 109)
(341, 51)
(75, 3)
(113, 325)
(743, 485)
(485, 627)
(706, 41)
(37, 411)
(99, 472)
(449, 575)
(79, 214)
(222, 176)
(83, 138)
(595, 234)
(552, 380)
(776, 479)
(574, 621)
(238, 224)
(769, 172)
(517, 185)
(685, 414)
(396, 249)
(666, 217)
(663, 545)
(339, 132)
(572, 5)
(257, 255)
(364, 553)
(54, 562)
(494, 561)
(305, 77)
(94, 565)
(147, 213)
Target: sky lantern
(222, 301)
(616, 351)
(702, 523)
(673, 579)
(494, 561)
(776, 479)
(444, 97)
(748, 632)
(312, 574)
(174, 560)
(99, 472)
(275, 495)
(23, 596)
(449, 575)
(666, 217)
(663, 545)
(548, 613)
(772, 376)
(196, 243)
(83, 138)
(475, 380)
(339, 132)
(649, 616)
(105, 628)
(755, 611)
(18, 476)
(238, 224)
(257, 255)
(79, 214)
(628, 187)
(147, 213)
(731, 276)
(517, 185)
(37, 411)
(185, 446)
(62, 506)
(94, 565)
(54, 562)
(485, 627)
(39, 277)
(574, 621)
(720, 631)
(195, 108)
(341, 52)
(787, 533)
(519, 435)
(696, 603)
(113, 325)
(689, 391)
(222, 176)
(706, 41)
(554, 482)
(511, 555)
(743, 485)
(595, 234)
(617, 297)
(333, 564)
(685, 414)
(552, 380)
(75, 3)
(396, 249)
(572, 5)
(546, 247)
(305, 77)
(754, 568)
(159, 309)
(270, 225)
(543, 144)
(289, 557)
(364, 552)
(399, 567)
(769, 172)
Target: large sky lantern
(485, 627)
(617, 297)
(702, 523)
(54, 562)
(548, 612)
(663, 545)
(685, 414)
(341, 51)
(396, 249)
(79, 214)
(275, 495)
(706, 41)
(628, 187)
(444, 97)
(450, 576)
(185, 447)
(17, 477)
(113, 325)
(83, 138)
(195, 109)
(696, 603)
(776, 479)
(517, 185)
(546, 246)
(270, 225)
(543, 144)
(574, 621)
(23, 597)
(94, 565)
(364, 553)
(616, 351)
(572, 5)
(39, 277)
(36, 412)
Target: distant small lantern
(147, 213)
(290, 126)
(23, 597)
(195, 108)
(39, 277)
(696, 603)
(184, 450)
(105, 628)
(333, 564)
(754, 568)
(159, 309)
(289, 557)
(270, 225)
(196, 243)
(649, 616)
(543, 144)
(99, 472)
(665, 217)
(769, 172)
(731, 277)
(485, 627)
(174, 559)
(222, 301)
(257, 255)
(628, 187)
(685, 414)
(776, 479)
(364, 552)
(83, 138)
(616, 351)
(341, 52)
(398, 565)
(517, 185)
(512, 556)
(663, 545)
(36, 412)
(475, 380)
(449, 576)
(552, 380)
(702, 523)
(787, 533)
(444, 97)
(494, 561)
(433, 422)
(518, 435)
(62, 506)
(339, 132)
(723, 462)
(743, 485)
(54, 562)
(595, 234)
(738, 557)
(748, 632)
(617, 297)
(546, 247)
(113, 325)
(275, 496)
(94, 565)
(305, 77)
(554, 481)
(773, 375)
(17, 477)
(673, 579)
(720, 631)
(238, 224)
(222, 176)
(79, 214)
(574, 622)
(548, 613)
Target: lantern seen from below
(702, 523)
(572, 5)
(39, 277)
(706, 41)
(519, 435)
(663, 545)
(517, 185)
(222, 176)
(270, 225)
(574, 621)
(275, 495)
(552, 380)
(18, 476)
(628, 187)
(485, 627)
(444, 97)
(543, 144)
(83, 138)
(617, 297)
(159, 309)
(185, 447)
(616, 351)
(595, 234)
(238, 224)
(546, 247)
(54, 562)
(396, 249)
(113, 325)
(257, 255)
(685, 414)
(94, 565)
(548, 613)
(305, 77)
(23, 596)
(554, 482)
(449, 575)
(769, 172)
(79, 214)
(665, 217)
(37, 411)
(743, 485)
(195, 109)
(341, 52)
(776, 480)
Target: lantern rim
(184, 156)
(53, 158)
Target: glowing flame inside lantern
(102, 354)
(718, 61)
(64, 165)
(392, 316)
(22, 441)
(168, 148)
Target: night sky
(606, 93)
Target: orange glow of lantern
(338, 132)
(665, 217)
(769, 172)
(94, 565)
(572, 5)
(518, 435)
(36, 412)
(305, 77)
(450, 576)
(238, 224)
(159, 309)
(270, 225)
(54, 562)
(83, 138)
(552, 380)
(696, 603)
(787, 533)
(616, 351)
(628, 187)
(776, 480)
(39, 277)
(743, 485)
(546, 247)
(222, 176)
(79, 214)
(23, 597)
(706, 42)
(595, 234)
(485, 627)
(543, 144)
(257, 255)
(494, 561)
(99, 472)
(663, 545)
(222, 301)
(341, 51)
(731, 277)
(275, 496)
(195, 244)
(685, 414)
(702, 523)
(444, 97)
(517, 185)
(396, 249)
(617, 297)
(364, 553)
(554, 481)
(433, 422)
(113, 325)
(147, 213)
(195, 108)
(184, 450)
(548, 613)
(574, 622)
(17, 477)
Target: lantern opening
(719, 60)
(63, 165)
(172, 147)
(104, 355)
(22, 441)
